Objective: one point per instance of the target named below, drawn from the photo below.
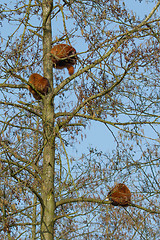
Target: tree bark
(34, 218)
(48, 208)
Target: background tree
(47, 192)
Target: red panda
(119, 195)
(40, 83)
(61, 55)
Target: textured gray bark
(47, 189)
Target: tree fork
(47, 188)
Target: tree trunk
(34, 218)
(47, 228)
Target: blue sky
(97, 135)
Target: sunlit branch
(80, 199)
(35, 32)
(93, 200)
(145, 209)
(5, 85)
(21, 107)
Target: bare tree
(46, 193)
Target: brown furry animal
(40, 83)
(61, 55)
(119, 195)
